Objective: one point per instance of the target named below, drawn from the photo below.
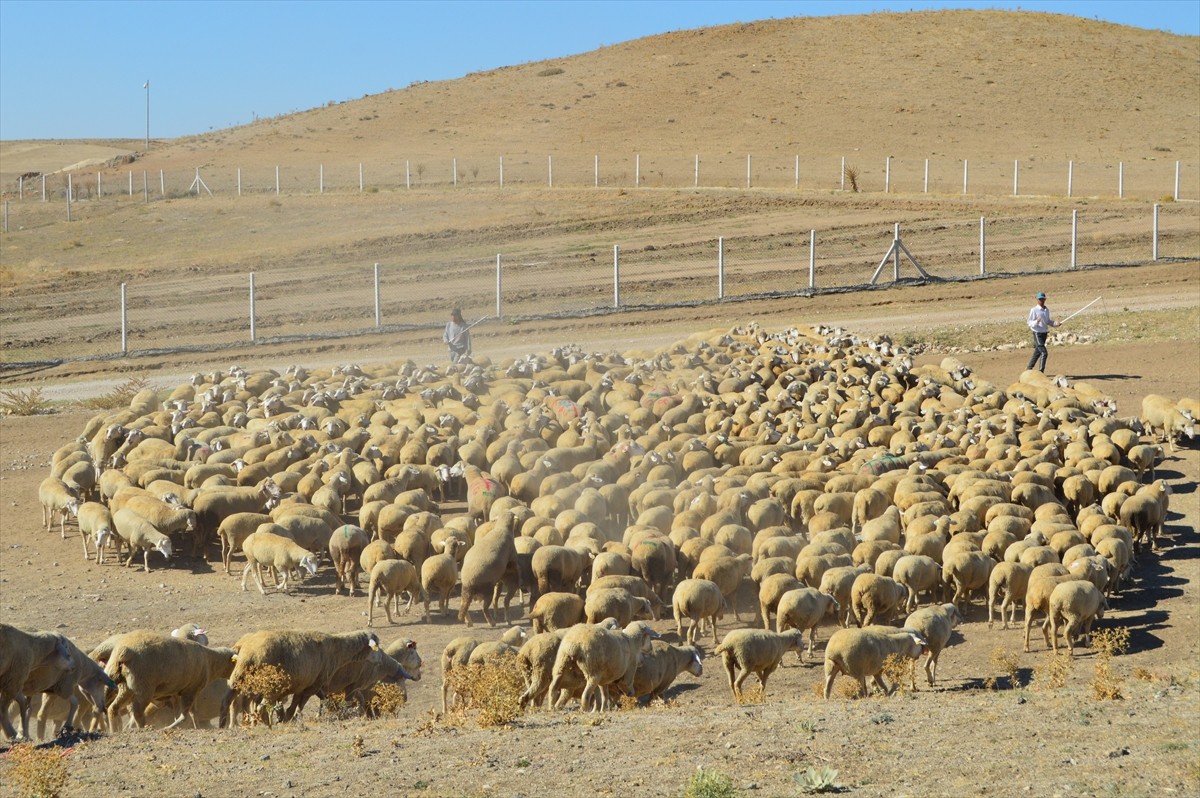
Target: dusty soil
(1066, 741)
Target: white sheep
(20, 653)
(554, 611)
(1076, 604)
(439, 574)
(935, 624)
(658, 667)
(57, 496)
(264, 548)
(346, 546)
(861, 653)
(876, 598)
(604, 657)
(140, 535)
(95, 524)
(147, 666)
(1012, 580)
(390, 578)
(918, 574)
(616, 603)
(757, 651)
(803, 608)
(698, 600)
(233, 531)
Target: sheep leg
(464, 609)
(831, 672)
(930, 669)
(146, 559)
(1052, 620)
(1028, 625)
(258, 579)
(880, 683)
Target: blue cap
(1041, 295)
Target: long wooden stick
(1081, 310)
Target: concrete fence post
(124, 324)
(253, 330)
(616, 276)
(887, 175)
(360, 177)
(926, 175)
(1154, 245)
(1070, 178)
(721, 267)
(499, 273)
(982, 246)
(965, 172)
(1176, 194)
(1016, 165)
(550, 171)
(1074, 237)
(276, 181)
(812, 259)
(321, 180)
(378, 306)
(1121, 180)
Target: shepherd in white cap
(1040, 322)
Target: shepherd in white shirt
(1040, 323)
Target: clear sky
(77, 69)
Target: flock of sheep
(846, 484)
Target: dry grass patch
(493, 690)
(1007, 664)
(1052, 672)
(17, 402)
(36, 773)
(121, 395)
(753, 695)
(900, 671)
(268, 684)
(1106, 685)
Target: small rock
(1119, 752)
(1021, 699)
(264, 757)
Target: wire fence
(1146, 179)
(413, 291)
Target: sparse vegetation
(899, 671)
(492, 690)
(36, 773)
(1106, 685)
(1007, 664)
(709, 784)
(120, 396)
(545, 73)
(1052, 672)
(268, 684)
(388, 699)
(851, 174)
(28, 402)
(818, 780)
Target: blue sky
(77, 69)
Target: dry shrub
(852, 177)
(849, 688)
(626, 703)
(336, 707)
(1052, 672)
(358, 746)
(1144, 675)
(754, 695)
(267, 685)
(1106, 686)
(120, 396)
(29, 402)
(900, 671)
(387, 699)
(1110, 642)
(493, 689)
(1006, 663)
(36, 773)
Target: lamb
(1077, 604)
(757, 651)
(657, 668)
(803, 608)
(554, 611)
(604, 657)
(309, 659)
(57, 496)
(1011, 579)
(391, 578)
(860, 653)
(439, 574)
(697, 599)
(485, 565)
(346, 546)
(233, 531)
(139, 534)
(283, 554)
(615, 603)
(148, 666)
(96, 524)
(935, 624)
(20, 654)
(875, 598)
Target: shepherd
(1040, 323)
(457, 336)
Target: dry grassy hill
(956, 84)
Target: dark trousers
(1039, 351)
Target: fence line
(415, 289)
(1153, 180)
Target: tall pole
(147, 88)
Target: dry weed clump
(387, 699)
(1006, 663)
(36, 774)
(900, 671)
(852, 177)
(268, 685)
(753, 695)
(335, 707)
(1052, 672)
(1106, 685)
(29, 402)
(120, 396)
(493, 689)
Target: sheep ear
(411, 644)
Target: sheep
(391, 578)
(918, 574)
(1120, 554)
(233, 531)
(615, 603)
(535, 659)
(140, 535)
(1145, 511)
(875, 597)
(967, 571)
(769, 592)
(57, 496)
(935, 624)
(166, 518)
(658, 668)
(604, 657)
(557, 569)
(96, 524)
(457, 654)
(1161, 414)
(482, 491)
(1011, 579)
(485, 565)
(374, 552)
(839, 582)
(21, 653)
(357, 678)
(861, 653)
(634, 584)
(147, 666)
(1077, 604)
(264, 547)
(1037, 595)
(654, 559)
(346, 546)
(697, 599)
(554, 611)
(803, 608)
(309, 659)
(757, 651)
(64, 687)
(439, 574)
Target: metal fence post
(1074, 236)
(747, 171)
(964, 175)
(843, 188)
(1016, 164)
(124, 324)
(407, 176)
(239, 181)
(360, 177)
(982, 246)
(499, 270)
(1070, 178)
(1154, 246)
(720, 267)
(145, 187)
(43, 188)
(1120, 180)
(896, 254)
(162, 184)
(378, 309)
(812, 259)
(131, 182)
(616, 276)
(253, 331)
(276, 181)
(637, 174)
(887, 175)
